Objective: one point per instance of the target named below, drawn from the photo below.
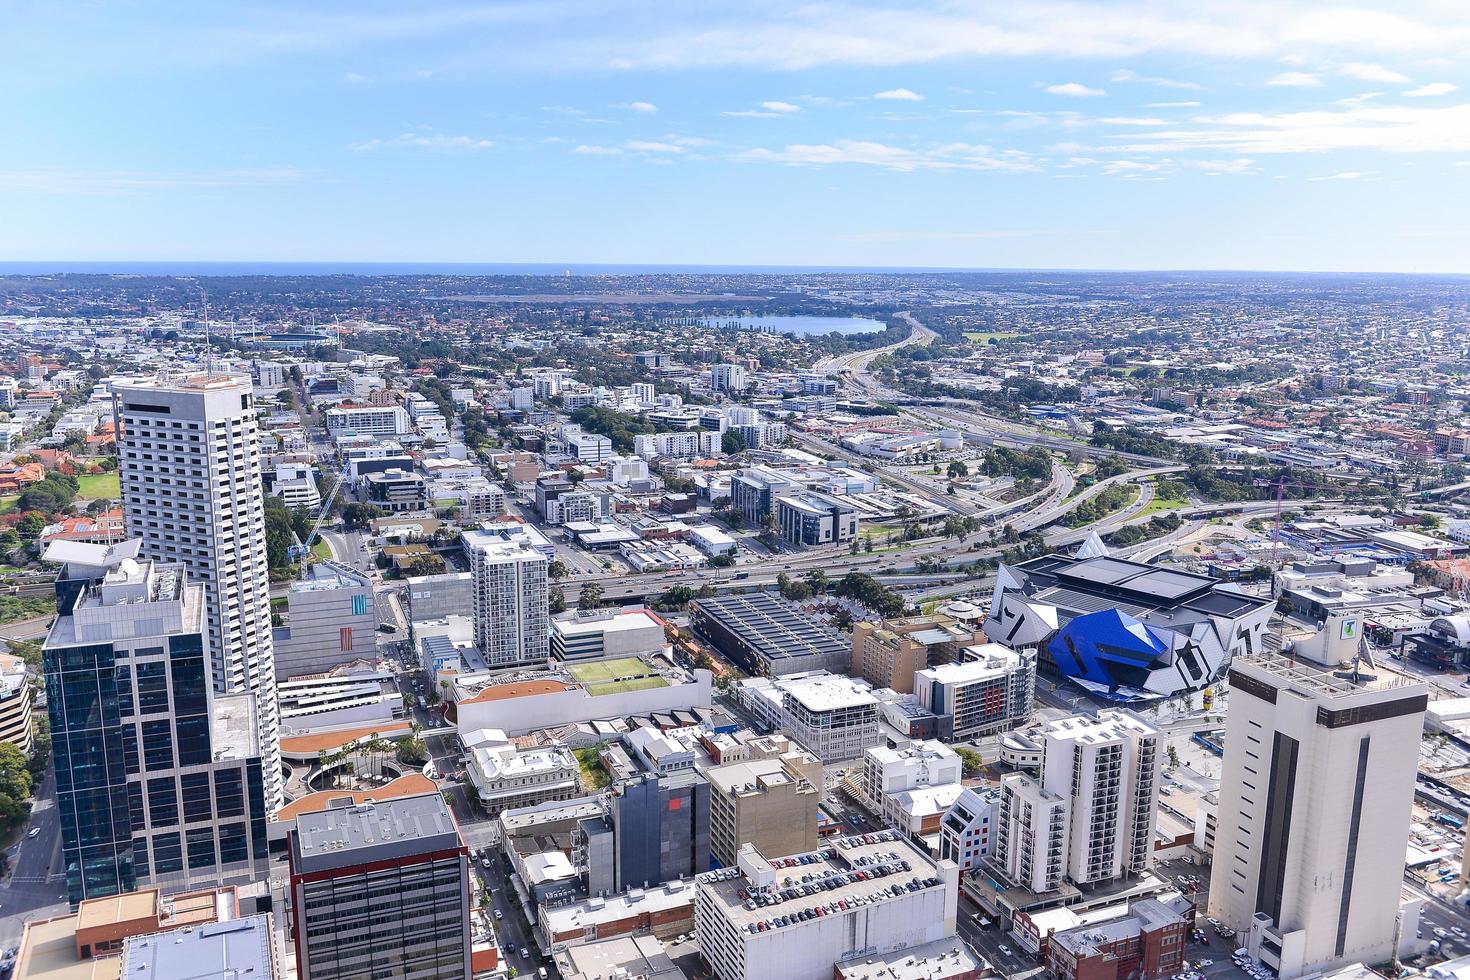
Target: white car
(34, 832)
(1204, 963)
(1004, 949)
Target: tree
(591, 596)
(556, 569)
(971, 760)
(31, 525)
(732, 442)
(958, 470)
(357, 515)
(556, 601)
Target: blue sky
(1260, 135)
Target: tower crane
(1281, 484)
(316, 525)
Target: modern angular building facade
(189, 464)
(158, 780)
(1124, 630)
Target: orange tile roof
(410, 785)
(520, 689)
(333, 740)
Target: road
(36, 887)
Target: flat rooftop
(773, 627)
(941, 958)
(623, 905)
(344, 836)
(216, 951)
(1327, 683)
(828, 692)
(232, 727)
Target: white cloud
(1131, 121)
(1433, 88)
(1372, 73)
(1345, 175)
(1295, 79)
(1366, 97)
(780, 107)
(1171, 105)
(652, 146)
(1074, 89)
(899, 95)
(424, 141)
(664, 146)
(597, 151)
(1128, 75)
(353, 78)
(949, 156)
(1389, 128)
(644, 107)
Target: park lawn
(981, 337)
(1161, 505)
(99, 486)
(7, 503)
(321, 550)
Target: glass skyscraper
(159, 780)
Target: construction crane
(303, 550)
(1281, 484)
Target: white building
(511, 614)
(711, 540)
(189, 465)
(1031, 834)
(1107, 768)
(586, 447)
(598, 634)
(832, 716)
(295, 484)
(545, 701)
(967, 832)
(991, 689)
(1314, 810)
(728, 378)
(912, 786)
(903, 900)
(505, 777)
(693, 444)
(361, 420)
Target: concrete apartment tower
(1313, 823)
(189, 461)
(512, 615)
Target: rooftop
(412, 784)
(931, 961)
(1333, 684)
(216, 951)
(343, 836)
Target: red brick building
(1146, 943)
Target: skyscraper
(190, 469)
(1315, 800)
(158, 779)
(512, 616)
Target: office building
(1124, 630)
(511, 613)
(16, 726)
(765, 635)
(753, 491)
(990, 690)
(295, 484)
(832, 716)
(1315, 796)
(1108, 769)
(189, 465)
(158, 779)
(88, 944)
(966, 834)
(395, 491)
(599, 634)
(809, 519)
(364, 420)
(753, 922)
(651, 828)
(330, 619)
(380, 889)
(729, 378)
(770, 803)
(887, 654)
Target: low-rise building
(913, 786)
(505, 777)
(765, 635)
(598, 634)
(1147, 943)
(809, 519)
(331, 618)
(887, 654)
(966, 833)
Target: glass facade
(142, 799)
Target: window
(163, 804)
(158, 744)
(201, 848)
(195, 790)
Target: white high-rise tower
(190, 469)
(1316, 797)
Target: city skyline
(1123, 135)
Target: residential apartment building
(380, 889)
(159, 780)
(967, 832)
(189, 465)
(809, 519)
(903, 901)
(367, 420)
(730, 378)
(692, 444)
(1315, 801)
(16, 726)
(331, 618)
(511, 612)
(1031, 834)
(1109, 770)
(911, 787)
(991, 689)
(887, 654)
(770, 803)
